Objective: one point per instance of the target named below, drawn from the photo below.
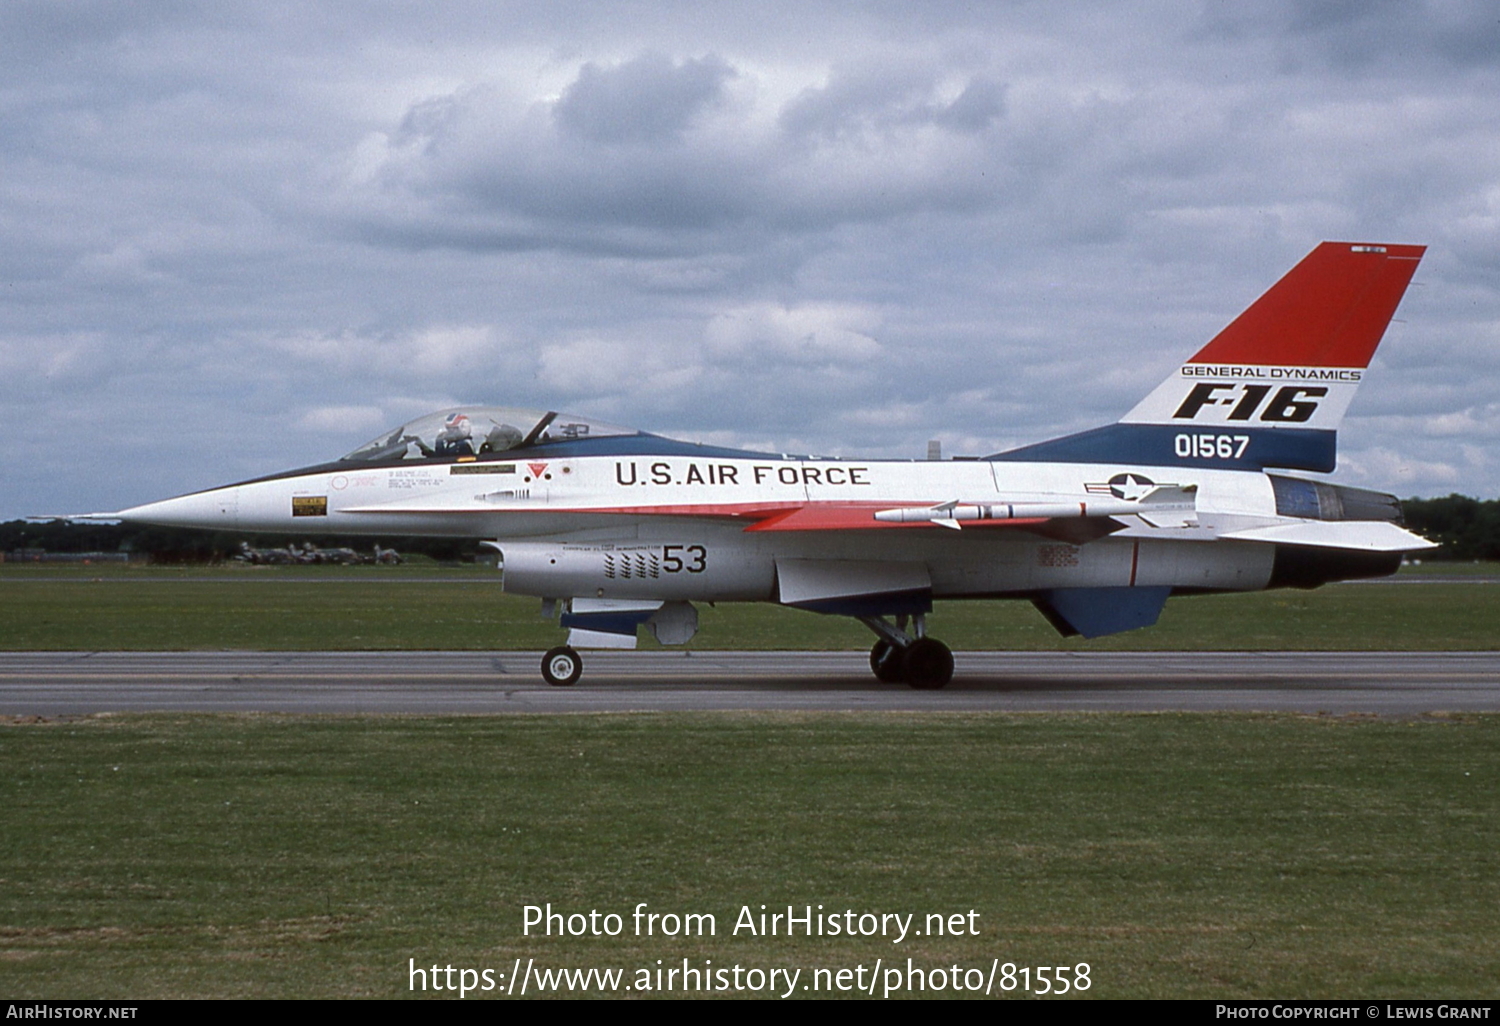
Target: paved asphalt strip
(1337, 683)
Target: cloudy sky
(239, 238)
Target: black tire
(927, 664)
(562, 666)
(885, 663)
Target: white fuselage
(675, 527)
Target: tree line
(182, 545)
(1467, 529)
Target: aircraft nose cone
(218, 508)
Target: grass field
(1208, 856)
(417, 607)
(1177, 855)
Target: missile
(951, 514)
(1160, 500)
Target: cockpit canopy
(480, 430)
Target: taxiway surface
(1385, 683)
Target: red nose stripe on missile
(850, 517)
(1329, 311)
(827, 517)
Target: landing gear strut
(885, 662)
(562, 666)
(922, 662)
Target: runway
(53, 684)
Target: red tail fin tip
(1329, 311)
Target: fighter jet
(618, 528)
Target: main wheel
(885, 662)
(927, 664)
(562, 666)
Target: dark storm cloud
(647, 100)
(658, 156)
(1379, 37)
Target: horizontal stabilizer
(1361, 535)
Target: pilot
(454, 438)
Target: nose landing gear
(562, 666)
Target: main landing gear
(898, 657)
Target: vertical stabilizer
(1270, 389)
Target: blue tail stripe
(1167, 445)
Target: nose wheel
(562, 666)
